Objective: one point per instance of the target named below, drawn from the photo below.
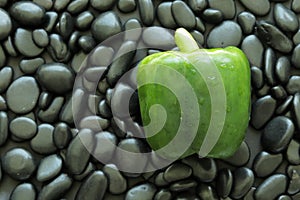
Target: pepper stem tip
(185, 41)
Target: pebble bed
(44, 42)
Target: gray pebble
(50, 20)
(23, 191)
(133, 29)
(61, 135)
(263, 91)
(293, 85)
(56, 77)
(277, 134)
(18, 163)
(49, 167)
(183, 185)
(265, 164)
(118, 127)
(102, 5)
(56, 188)
(9, 47)
(2, 57)
(5, 25)
(243, 179)
(23, 127)
(22, 95)
(77, 6)
(278, 92)
(206, 191)
(224, 182)
(105, 146)
(257, 77)
(29, 66)
(88, 170)
(93, 188)
(84, 20)
(43, 143)
(200, 25)
(3, 127)
(3, 105)
(25, 44)
(126, 6)
(73, 46)
(250, 194)
(165, 16)
(147, 11)
(66, 25)
(269, 66)
(285, 18)
(282, 69)
(232, 38)
(176, 172)
(260, 7)
(58, 49)
(102, 56)
(285, 105)
(117, 183)
(77, 59)
(294, 183)
(47, 4)
(93, 103)
(160, 180)
(197, 5)
(253, 49)
(108, 21)
(292, 152)
(93, 73)
(158, 37)
(271, 187)
(6, 75)
(163, 194)
(40, 37)
(296, 56)
(212, 16)
(28, 13)
(66, 114)
(95, 123)
(246, 21)
(50, 114)
(284, 197)
(44, 100)
(296, 108)
(144, 191)
(262, 110)
(104, 110)
(227, 7)
(198, 37)
(291, 169)
(183, 15)
(296, 38)
(60, 5)
(296, 6)
(86, 43)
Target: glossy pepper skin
(234, 69)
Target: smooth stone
(51, 114)
(126, 6)
(56, 188)
(6, 76)
(294, 183)
(227, 7)
(93, 103)
(88, 170)
(40, 37)
(246, 21)
(144, 191)
(277, 134)
(212, 16)
(3, 127)
(117, 183)
(243, 179)
(43, 143)
(47, 4)
(23, 191)
(265, 90)
(61, 135)
(2, 57)
(281, 109)
(206, 191)
(291, 169)
(197, 5)
(146, 11)
(176, 172)
(163, 194)
(257, 77)
(108, 21)
(94, 187)
(118, 127)
(296, 108)
(106, 143)
(56, 77)
(102, 56)
(269, 66)
(25, 44)
(3, 105)
(28, 13)
(165, 16)
(285, 18)
(262, 110)
(86, 43)
(60, 5)
(76, 63)
(66, 113)
(93, 73)
(5, 24)
(282, 69)
(49, 167)
(296, 38)
(265, 164)
(232, 38)
(224, 182)
(259, 7)
(158, 37)
(200, 25)
(22, 95)
(296, 6)
(104, 110)
(9, 47)
(77, 6)
(50, 20)
(18, 163)
(272, 36)
(66, 24)
(292, 153)
(102, 5)
(250, 194)
(160, 180)
(78, 151)
(293, 85)
(95, 123)
(58, 49)
(278, 92)
(23, 128)
(271, 187)
(133, 29)
(29, 66)
(253, 49)
(296, 56)
(84, 20)
(73, 46)
(44, 100)
(284, 197)
(198, 37)
(204, 169)
(183, 185)
(183, 15)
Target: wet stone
(212, 16)
(66, 24)
(296, 6)
(44, 100)
(105, 146)
(144, 191)
(165, 16)
(102, 56)
(293, 85)
(262, 110)
(163, 194)
(265, 163)
(104, 110)
(281, 109)
(22, 95)
(5, 25)
(102, 5)
(183, 15)
(50, 20)
(197, 5)
(77, 6)
(285, 18)
(253, 49)
(294, 183)
(269, 65)
(40, 37)
(56, 77)
(271, 187)
(25, 44)
(296, 56)
(158, 37)
(23, 127)
(3, 127)
(282, 69)
(260, 7)
(292, 152)
(146, 10)
(108, 21)
(87, 43)
(200, 25)
(9, 47)
(126, 6)
(232, 38)
(183, 185)
(18, 163)
(23, 190)
(278, 92)
(277, 134)
(117, 183)
(206, 192)
(29, 66)
(198, 37)
(257, 77)
(43, 143)
(227, 7)
(95, 123)
(49, 167)
(3, 105)
(243, 179)
(84, 20)
(6, 75)
(61, 135)
(28, 13)
(160, 180)
(176, 172)
(246, 21)
(58, 49)
(224, 182)
(47, 4)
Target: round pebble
(246, 21)
(259, 7)
(224, 182)
(253, 49)
(102, 5)
(144, 191)
(282, 69)
(5, 24)
(117, 183)
(43, 143)
(23, 190)
(285, 18)
(257, 77)
(146, 10)
(29, 66)
(265, 163)
(158, 37)
(23, 127)
(126, 6)
(183, 15)
(40, 37)
(105, 146)
(227, 7)
(212, 16)
(292, 152)
(165, 16)
(84, 20)
(3, 127)
(243, 179)
(49, 167)
(177, 172)
(6, 75)
(241, 156)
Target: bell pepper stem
(185, 41)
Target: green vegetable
(214, 87)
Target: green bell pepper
(200, 95)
